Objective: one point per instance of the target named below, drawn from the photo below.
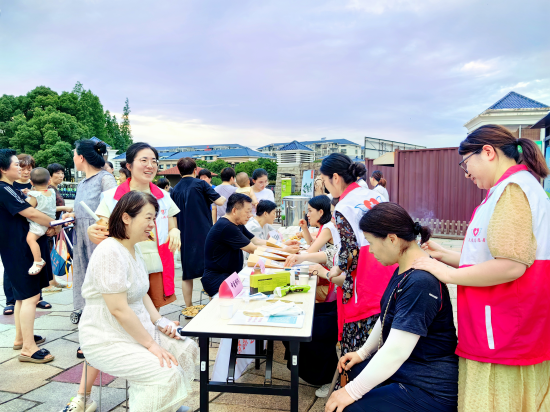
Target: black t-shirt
(21, 186)
(421, 305)
(14, 226)
(222, 251)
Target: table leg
(259, 347)
(204, 378)
(294, 378)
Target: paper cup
(304, 270)
(304, 280)
(226, 308)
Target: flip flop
(37, 357)
(37, 339)
(43, 305)
(9, 308)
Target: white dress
(109, 348)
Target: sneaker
(323, 391)
(77, 405)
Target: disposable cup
(226, 308)
(304, 279)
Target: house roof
(227, 153)
(515, 100)
(542, 123)
(339, 141)
(294, 145)
(175, 171)
(198, 147)
(121, 156)
(353, 159)
(95, 139)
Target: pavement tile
(64, 352)
(74, 374)
(278, 371)
(17, 405)
(282, 403)
(6, 396)
(171, 308)
(4, 327)
(193, 399)
(72, 337)
(55, 395)
(234, 408)
(64, 297)
(22, 377)
(319, 405)
(8, 353)
(54, 322)
(7, 337)
(10, 319)
(279, 352)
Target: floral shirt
(348, 255)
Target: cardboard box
(268, 255)
(268, 283)
(253, 259)
(273, 250)
(274, 243)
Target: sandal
(37, 339)
(36, 267)
(77, 405)
(80, 354)
(9, 308)
(43, 305)
(37, 357)
(51, 289)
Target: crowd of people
(382, 283)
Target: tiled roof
(339, 141)
(353, 159)
(95, 139)
(121, 156)
(175, 171)
(244, 152)
(515, 100)
(197, 147)
(294, 145)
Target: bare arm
(214, 213)
(153, 312)
(253, 197)
(220, 201)
(174, 236)
(321, 241)
(36, 216)
(305, 231)
(97, 233)
(438, 252)
(31, 201)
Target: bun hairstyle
(523, 151)
(92, 151)
(343, 166)
(379, 177)
(389, 218)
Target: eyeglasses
(144, 161)
(463, 164)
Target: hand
(440, 270)
(303, 224)
(348, 360)
(162, 354)
(25, 191)
(291, 249)
(300, 235)
(175, 240)
(292, 243)
(51, 231)
(97, 233)
(434, 249)
(171, 332)
(338, 401)
(68, 209)
(322, 272)
(335, 271)
(67, 215)
(293, 260)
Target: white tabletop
(208, 321)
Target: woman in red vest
(502, 277)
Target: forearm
(131, 324)
(319, 257)
(451, 258)
(151, 309)
(371, 344)
(384, 363)
(489, 273)
(307, 236)
(36, 216)
(172, 223)
(258, 242)
(214, 214)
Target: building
(294, 153)
(516, 112)
(321, 147)
(174, 149)
(374, 148)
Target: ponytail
(343, 166)
(523, 151)
(382, 182)
(379, 177)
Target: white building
(294, 153)
(321, 147)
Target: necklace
(405, 274)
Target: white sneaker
(323, 391)
(77, 405)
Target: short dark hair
(205, 172)
(186, 165)
(123, 164)
(227, 173)
(265, 206)
(163, 182)
(6, 159)
(389, 218)
(322, 202)
(40, 176)
(55, 167)
(343, 166)
(237, 201)
(256, 174)
(134, 149)
(92, 151)
(131, 203)
(110, 164)
(125, 172)
(26, 160)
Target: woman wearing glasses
(502, 277)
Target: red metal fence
(430, 184)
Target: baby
(43, 199)
(244, 187)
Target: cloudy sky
(255, 72)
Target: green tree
(262, 163)
(125, 128)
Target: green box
(268, 283)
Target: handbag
(58, 259)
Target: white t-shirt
(265, 194)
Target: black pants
(318, 358)
(395, 397)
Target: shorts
(156, 291)
(37, 229)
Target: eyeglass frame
(462, 163)
(146, 162)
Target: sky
(259, 72)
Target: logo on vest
(475, 238)
(367, 204)
(476, 231)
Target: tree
(262, 163)
(125, 129)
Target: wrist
(149, 343)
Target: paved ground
(48, 387)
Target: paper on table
(239, 318)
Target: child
(244, 187)
(43, 199)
